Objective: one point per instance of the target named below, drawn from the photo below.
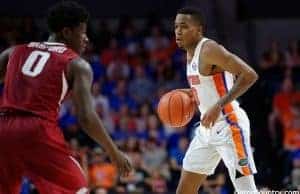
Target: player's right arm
(4, 56)
(80, 75)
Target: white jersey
(229, 137)
(209, 89)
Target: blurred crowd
(279, 90)
(134, 64)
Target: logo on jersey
(243, 162)
(194, 66)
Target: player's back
(35, 79)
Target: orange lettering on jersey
(193, 79)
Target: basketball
(175, 108)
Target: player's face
(187, 32)
(77, 38)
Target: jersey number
(35, 63)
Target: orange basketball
(175, 108)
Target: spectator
(291, 127)
(136, 181)
(141, 88)
(176, 158)
(295, 175)
(124, 120)
(215, 185)
(120, 97)
(155, 129)
(101, 103)
(101, 173)
(281, 104)
(156, 40)
(99, 190)
(118, 69)
(276, 54)
(292, 55)
(155, 157)
(113, 52)
(142, 119)
(157, 182)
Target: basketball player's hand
(189, 92)
(211, 116)
(122, 162)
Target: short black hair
(194, 12)
(66, 14)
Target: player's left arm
(213, 53)
(4, 56)
(216, 54)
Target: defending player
(37, 76)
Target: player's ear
(200, 30)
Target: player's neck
(54, 38)
(191, 49)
